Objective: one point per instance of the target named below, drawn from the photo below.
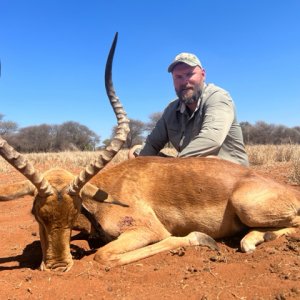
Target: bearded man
(201, 121)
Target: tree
(7, 127)
(34, 139)
(154, 117)
(46, 138)
(263, 133)
(295, 134)
(74, 136)
(246, 129)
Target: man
(201, 121)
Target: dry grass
(294, 175)
(270, 154)
(266, 155)
(68, 160)
(259, 155)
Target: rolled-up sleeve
(218, 116)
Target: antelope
(147, 205)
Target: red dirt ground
(271, 272)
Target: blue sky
(53, 56)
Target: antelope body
(175, 202)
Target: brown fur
(174, 197)
(151, 204)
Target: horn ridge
(121, 133)
(20, 163)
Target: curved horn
(121, 134)
(18, 161)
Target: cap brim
(173, 64)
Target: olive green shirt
(212, 129)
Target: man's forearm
(148, 150)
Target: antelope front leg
(113, 254)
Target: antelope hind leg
(113, 254)
(268, 209)
(258, 236)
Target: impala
(148, 205)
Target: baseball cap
(187, 58)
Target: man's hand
(133, 152)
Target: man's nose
(185, 80)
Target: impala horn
(19, 161)
(121, 133)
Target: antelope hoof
(202, 239)
(247, 248)
(57, 267)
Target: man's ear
(203, 73)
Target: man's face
(188, 82)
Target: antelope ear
(16, 190)
(92, 192)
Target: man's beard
(189, 95)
